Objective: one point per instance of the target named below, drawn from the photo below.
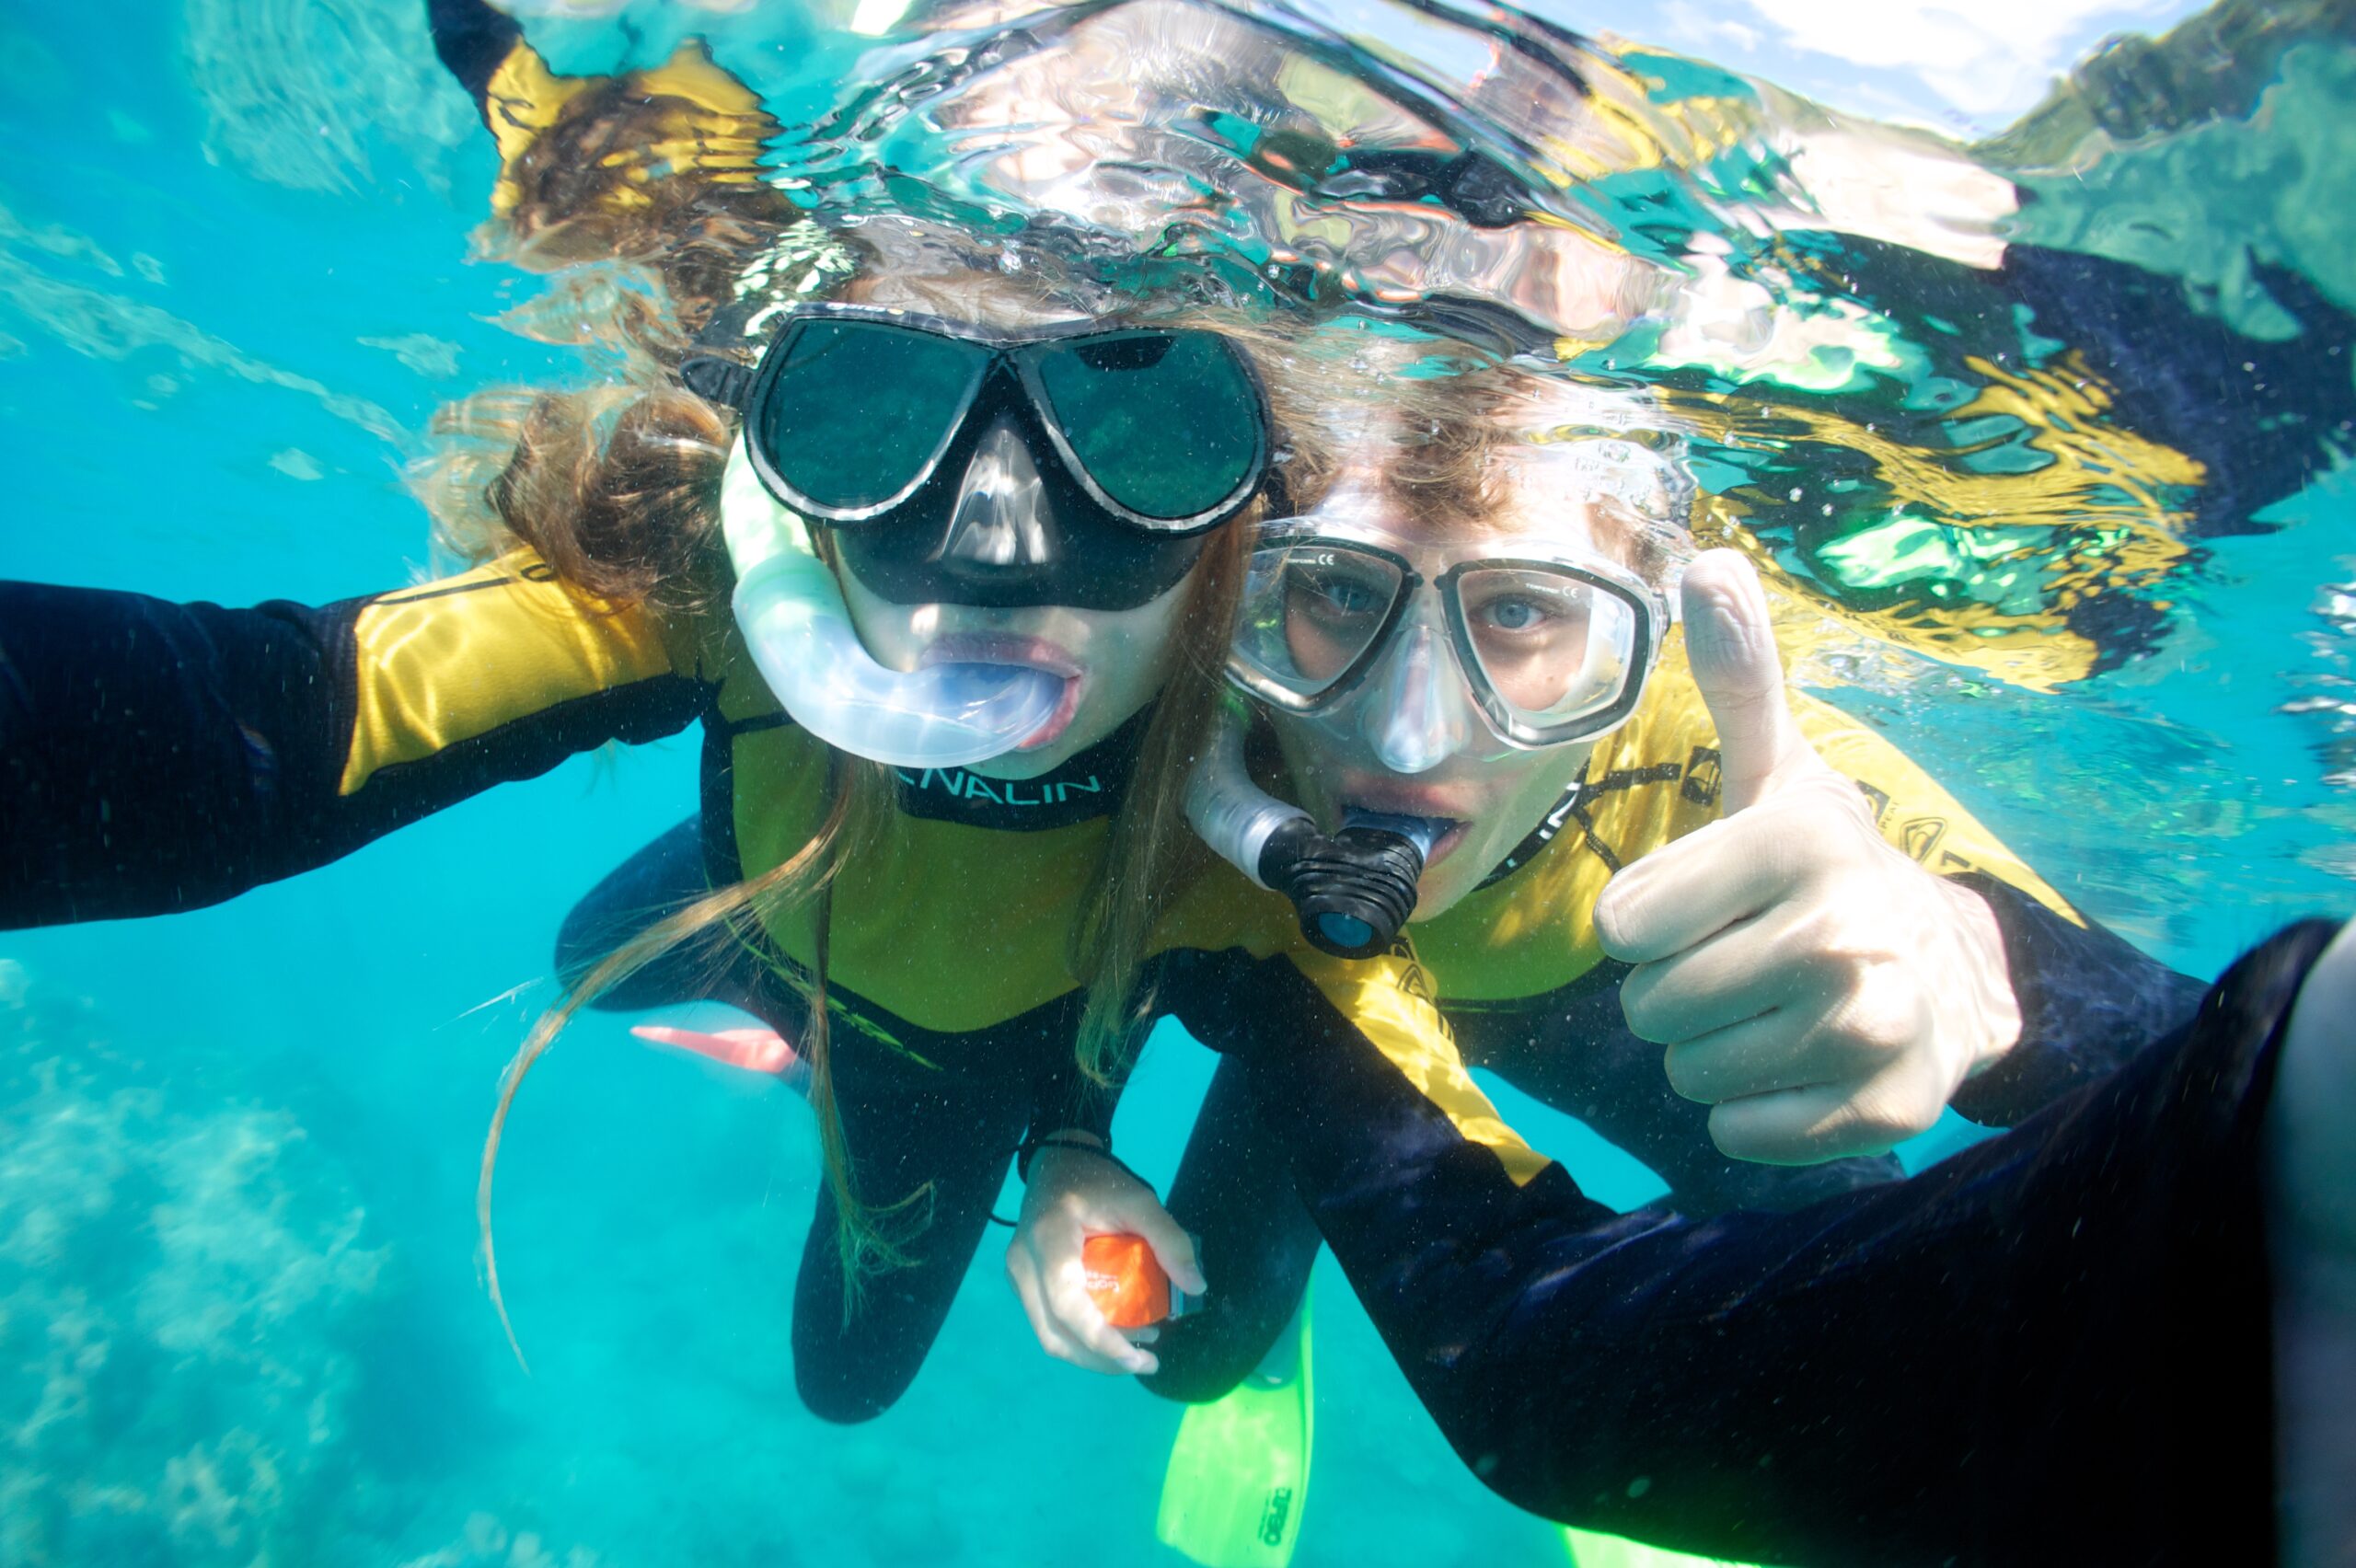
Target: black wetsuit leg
(941, 1143)
(659, 880)
(2054, 1347)
(1257, 1245)
(940, 1135)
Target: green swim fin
(1590, 1549)
(1239, 1472)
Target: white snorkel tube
(1351, 891)
(791, 610)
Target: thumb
(1731, 640)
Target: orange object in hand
(1126, 1280)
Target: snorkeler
(1460, 641)
(2053, 1347)
(1029, 510)
(1930, 1369)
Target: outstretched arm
(2052, 1346)
(157, 758)
(473, 39)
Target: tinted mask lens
(854, 413)
(1001, 523)
(1167, 425)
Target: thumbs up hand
(1822, 993)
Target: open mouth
(1028, 652)
(1051, 732)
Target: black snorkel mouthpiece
(1355, 889)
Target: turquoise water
(239, 1312)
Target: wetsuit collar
(1089, 785)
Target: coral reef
(180, 1280)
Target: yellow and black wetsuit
(157, 758)
(696, 122)
(659, 165)
(1517, 977)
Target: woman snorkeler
(993, 616)
(1030, 506)
(2060, 1344)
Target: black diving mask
(950, 463)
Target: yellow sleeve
(1390, 1000)
(507, 645)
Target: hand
(1073, 1194)
(1818, 990)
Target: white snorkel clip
(792, 612)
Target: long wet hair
(618, 489)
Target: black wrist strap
(1069, 1137)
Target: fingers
(1172, 1247)
(1781, 1049)
(1687, 892)
(1691, 889)
(1805, 1127)
(1106, 1348)
(1731, 640)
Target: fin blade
(1239, 1472)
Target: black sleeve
(2089, 1002)
(1062, 1096)
(2050, 1347)
(157, 758)
(472, 38)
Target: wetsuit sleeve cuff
(2088, 1001)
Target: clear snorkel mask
(1409, 652)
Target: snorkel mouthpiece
(1353, 891)
(792, 612)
